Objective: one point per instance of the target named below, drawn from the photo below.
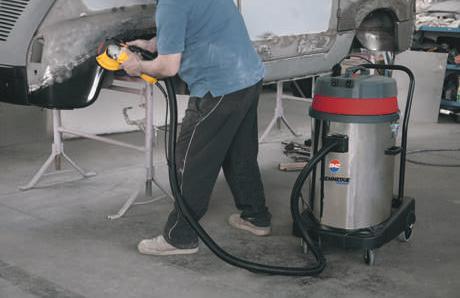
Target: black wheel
(407, 234)
(369, 257)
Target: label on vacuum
(338, 180)
(335, 166)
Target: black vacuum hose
(209, 242)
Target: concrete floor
(55, 241)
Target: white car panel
(294, 17)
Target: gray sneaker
(236, 221)
(158, 246)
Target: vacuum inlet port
(341, 143)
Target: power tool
(113, 55)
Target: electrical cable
(422, 163)
(300, 222)
(185, 210)
(209, 242)
(165, 94)
(356, 56)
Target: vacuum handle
(410, 97)
(146, 55)
(411, 85)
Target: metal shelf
(453, 67)
(439, 29)
(450, 105)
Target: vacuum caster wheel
(369, 257)
(407, 234)
(305, 248)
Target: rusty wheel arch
(376, 31)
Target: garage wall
(21, 124)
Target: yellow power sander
(112, 55)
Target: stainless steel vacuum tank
(354, 190)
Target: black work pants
(218, 132)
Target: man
(207, 43)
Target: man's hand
(457, 59)
(162, 66)
(149, 45)
(133, 65)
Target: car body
(48, 46)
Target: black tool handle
(146, 55)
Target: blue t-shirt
(217, 53)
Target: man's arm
(162, 66)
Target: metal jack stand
(150, 137)
(150, 141)
(279, 116)
(57, 153)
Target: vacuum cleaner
(350, 193)
(355, 127)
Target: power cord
(422, 163)
(165, 129)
